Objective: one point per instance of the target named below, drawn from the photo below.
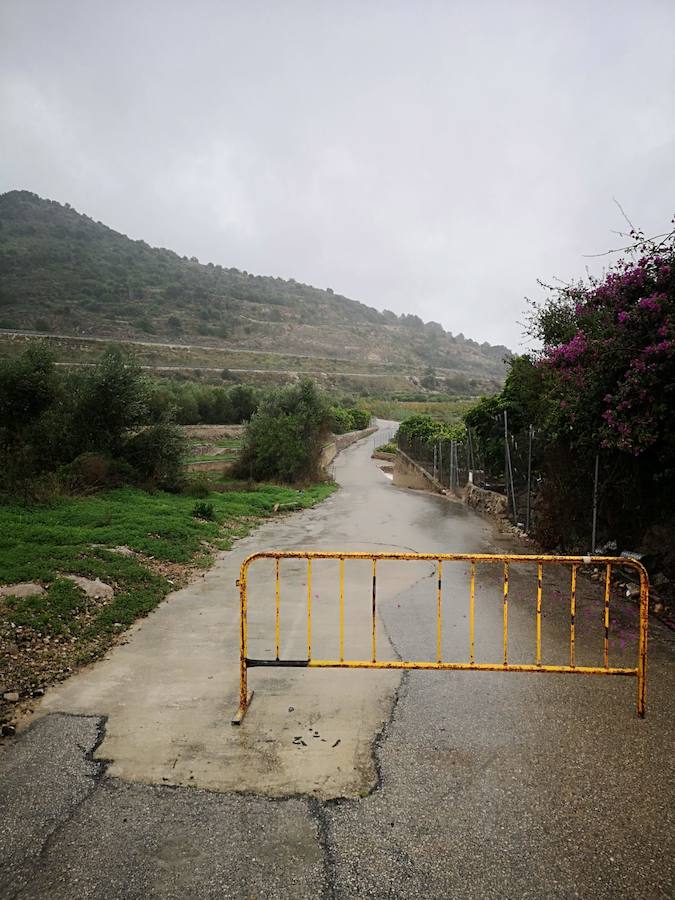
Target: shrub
(360, 418)
(157, 453)
(348, 419)
(195, 486)
(285, 436)
(112, 399)
(203, 510)
(91, 471)
(341, 420)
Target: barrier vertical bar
(342, 609)
(608, 583)
(243, 644)
(642, 649)
(439, 588)
(573, 610)
(540, 577)
(374, 610)
(506, 614)
(309, 609)
(276, 606)
(244, 696)
(472, 595)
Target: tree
(113, 399)
(285, 436)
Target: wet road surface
(475, 785)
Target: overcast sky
(424, 157)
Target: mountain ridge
(62, 272)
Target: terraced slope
(63, 273)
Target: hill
(63, 273)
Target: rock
(632, 592)
(11, 697)
(8, 730)
(122, 551)
(39, 692)
(94, 589)
(658, 609)
(608, 548)
(23, 589)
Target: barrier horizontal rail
(639, 671)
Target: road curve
(453, 784)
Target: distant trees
(82, 426)
(348, 418)
(190, 403)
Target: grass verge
(162, 539)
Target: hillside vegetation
(63, 273)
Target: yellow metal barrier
(639, 671)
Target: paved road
(459, 785)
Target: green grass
(212, 457)
(391, 447)
(231, 446)
(75, 536)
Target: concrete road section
(132, 783)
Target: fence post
(529, 478)
(508, 473)
(595, 503)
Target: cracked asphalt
(488, 785)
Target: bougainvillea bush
(604, 384)
(614, 375)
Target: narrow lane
(453, 784)
(170, 691)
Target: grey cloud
(426, 157)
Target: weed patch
(43, 638)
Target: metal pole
(509, 470)
(435, 455)
(529, 478)
(440, 461)
(595, 502)
(506, 457)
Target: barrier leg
(244, 696)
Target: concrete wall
(380, 454)
(340, 441)
(408, 474)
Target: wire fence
(501, 462)
(562, 495)
(385, 436)
(449, 462)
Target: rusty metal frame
(639, 671)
